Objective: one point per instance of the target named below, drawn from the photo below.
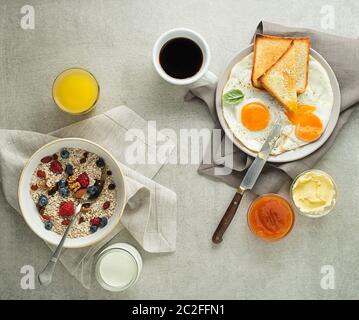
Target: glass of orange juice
(75, 91)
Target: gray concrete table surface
(114, 39)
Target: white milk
(118, 267)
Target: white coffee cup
(202, 76)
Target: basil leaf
(234, 96)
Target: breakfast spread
(61, 180)
(279, 81)
(270, 217)
(313, 193)
(277, 98)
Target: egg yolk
(255, 116)
(308, 126)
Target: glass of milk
(118, 267)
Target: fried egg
(251, 119)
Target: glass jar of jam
(270, 217)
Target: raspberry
(46, 159)
(67, 209)
(41, 174)
(65, 222)
(56, 167)
(83, 179)
(106, 205)
(95, 221)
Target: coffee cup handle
(208, 79)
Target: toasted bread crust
(306, 40)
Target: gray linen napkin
(150, 212)
(342, 55)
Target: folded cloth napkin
(150, 212)
(342, 55)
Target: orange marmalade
(270, 217)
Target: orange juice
(75, 91)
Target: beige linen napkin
(150, 212)
(342, 54)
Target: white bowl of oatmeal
(57, 177)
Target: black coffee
(181, 58)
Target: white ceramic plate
(292, 154)
(28, 207)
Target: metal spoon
(45, 277)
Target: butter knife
(248, 182)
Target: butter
(313, 192)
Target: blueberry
(112, 186)
(92, 191)
(62, 183)
(43, 201)
(93, 228)
(64, 192)
(103, 222)
(64, 154)
(100, 162)
(48, 225)
(69, 169)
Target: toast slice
(302, 46)
(267, 50)
(281, 80)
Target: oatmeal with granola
(61, 180)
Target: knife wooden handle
(227, 218)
